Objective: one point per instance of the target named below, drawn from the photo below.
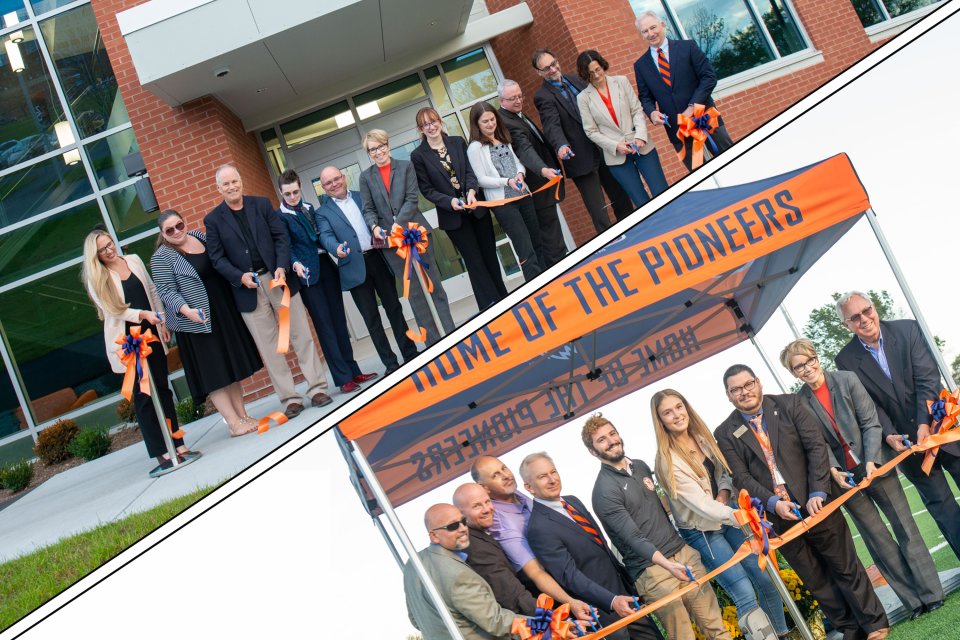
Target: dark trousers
(592, 186)
(936, 494)
(143, 406)
(380, 281)
(826, 561)
(720, 137)
(324, 303)
(552, 249)
(519, 221)
(477, 246)
(643, 629)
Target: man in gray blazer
(385, 206)
(851, 427)
(468, 597)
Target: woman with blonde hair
(124, 296)
(697, 483)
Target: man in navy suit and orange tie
(672, 76)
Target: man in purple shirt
(511, 512)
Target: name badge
(739, 432)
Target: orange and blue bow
(546, 623)
(134, 349)
(410, 243)
(698, 128)
(945, 412)
(750, 514)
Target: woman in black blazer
(215, 346)
(445, 178)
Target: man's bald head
(438, 519)
(474, 503)
(495, 477)
(333, 182)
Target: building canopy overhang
(267, 61)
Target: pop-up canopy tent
(703, 273)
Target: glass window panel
(11, 416)
(127, 213)
(14, 9)
(45, 243)
(390, 95)
(316, 124)
(29, 107)
(453, 125)
(144, 248)
(80, 57)
(40, 187)
(106, 156)
(899, 7)
(726, 32)
(271, 142)
(868, 11)
(43, 6)
(782, 27)
(441, 99)
(470, 77)
(58, 361)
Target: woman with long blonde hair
(697, 483)
(124, 296)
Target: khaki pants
(262, 323)
(700, 604)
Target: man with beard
(656, 557)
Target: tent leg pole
(790, 323)
(391, 515)
(386, 536)
(766, 361)
(911, 301)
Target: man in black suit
(556, 102)
(530, 145)
(672, 76)
(895, 365)
(775, 451)
(569, 543)
(248, 245)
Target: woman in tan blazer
(614, 121)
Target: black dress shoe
(391, 369)
(916, 613)
(933, 606)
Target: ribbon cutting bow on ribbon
(133, 352)
(546, 624)
(946, 412)
(283, 317)
(411, 242)
(750, 514)
(698, 129)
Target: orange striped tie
(583, 522)
(664, 67)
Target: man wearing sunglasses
(895, 365)
(468, 597)
(775, 451)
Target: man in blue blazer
(576, 555)
(248, 246)
(320, 285)
(672, 76)
(363, 270)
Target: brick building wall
(570, 26)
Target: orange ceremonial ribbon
(179, 433)
(945, 412)
(133, 352)
(555, 180)
(283, 317)
(546, 623)
(264, 423)
(698, 128)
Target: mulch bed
(43, 472)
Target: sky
(292, 554)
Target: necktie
(583, 522)
(664, 67)
(532, 127)
(757, 423)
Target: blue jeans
(636, 165)
(716, 547)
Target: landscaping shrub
(187, 412)
(90, 444)
(53, 441)
(125, 411)
(17, 476)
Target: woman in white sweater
(500, 174)
(698, 485)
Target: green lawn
(943, 557)
(29, 581)
(940, 625)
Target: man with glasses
(776, 452)
(850, 427)
(672, 76)
(895, 365)
(363, 270)
(468, 597)
(556, 101)
(530, 145)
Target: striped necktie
(664, 67)
(778, 488)
(583, 522)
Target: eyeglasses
(516, 98)
(429, 124)
(375, 151)
(174, 229)
(107, 247)
(555, 65)
(803, 366)
(749, 386)
(857, 317)
(332, 181)
(453, 526)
